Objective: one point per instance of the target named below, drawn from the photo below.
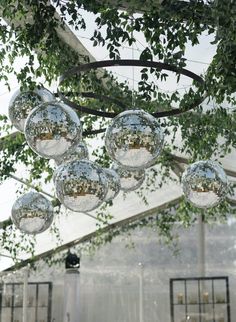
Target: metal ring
(127, 62)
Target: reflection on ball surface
(134, 139)
(32, 213)
(80, 185)
(205, 184)
(22, 103)
(113, 184)
(78, 152)
(129, 179)
(52, 128)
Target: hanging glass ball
(32, 213)
(22, 103)
(78, 152)
(129, 179)
(204, 184)
(113, 184)
(134, 139)
(52, 128)
(81, 185)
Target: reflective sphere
(78, 152)
(32, 213)
(113, 184)
(134, 139)
(80, 185)
(129, 179)
(204, 184)
(22, 103)
(52, 128)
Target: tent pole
(25, 294)
(201, 247)
(141, 319)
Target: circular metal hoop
(127, 62)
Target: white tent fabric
(114, 286)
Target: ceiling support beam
(185, 160)
(64, 33)
(88, 237)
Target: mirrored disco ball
(54, 177)
(78, 152)
(113, 184)
(134, 139)
(129, 179)
(56, 182)
(81, 185)
(32, 213)
(52, 128)
(204, 184)
(22, 103)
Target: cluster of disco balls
(133, 141)
(53, 130)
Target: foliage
(29, 30)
